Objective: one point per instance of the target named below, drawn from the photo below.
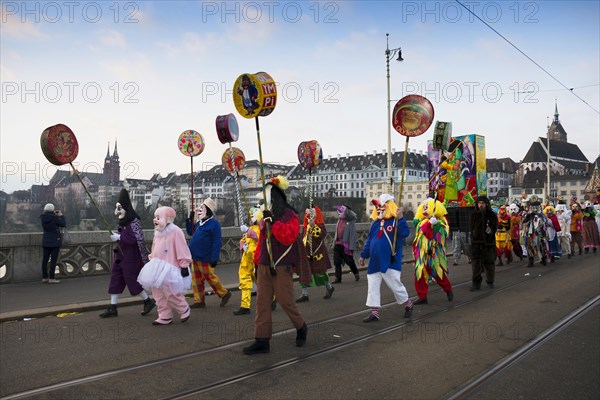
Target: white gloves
(245, 248)
(243, 228)
(115, 237)
(433, 220)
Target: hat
(210, 203)
(49, 207)
(384, 198)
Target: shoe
(336, 282)
(500, 263)
(408, 309)
(421, 301)
(149, 305)
(552, 258)
(45, 280)
(198, 305)
(302, 299)
(53, 281)
(225, 298)
(273, 305)
(252, 294)
(530, 263)
(111, 311)
(371, 318)
(162, 321)
(569, 256)
(490, 285)
(579, 251)
(450, 295)
(328, 292)
(455, 263)
(241, 311)
(301, 335)
(356, 277)
(186, 315)
(544, 262)
(259, 346)
(474, 288)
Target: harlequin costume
(552, 230)
(515, 230)
(564, 235)
(278, 258)
(576, 227)
(130, 255)
(167, 272)
(205, 246)
(534, 234)
(429, 249)
(246, 274)
(315, 252)
(503, 242)
(385, 259)
(591, 239)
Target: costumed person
(167, 272)
(534, 233)
(205, 246)
(344, 242)
(316, 253)
(576, 227)
(459, 229)
(130, 255)
(429, 249)
(564, 235)
(277, 257)
(597, 208)
(483, 225)
(52, 221)
(384, 263)
(246, 274)
(591, 239)
(503, 242)
(552, 230)
(515, 230)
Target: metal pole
(389, 119)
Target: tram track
(236, 378)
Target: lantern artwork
(441, 135)
(412, 115)
(255, 95)
(310, 154)
(235, 163)
(190, 143)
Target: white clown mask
(201, 211)
(162, 217)
(120, 211)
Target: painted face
(120, 211)
(201, 212)
(160, 221)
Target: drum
(191, 143)
(59, 144)
(254, 95)
(227, 128)
(412, 115)
(310, 154)
(239, 160)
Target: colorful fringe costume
(503, 241)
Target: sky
(142, 72)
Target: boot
(302, 299)
(301, 335)
(259, 346)
(450, 295)
(356, 277)
(328, 292)
(111, 311)
(499, 262)
(580, 251)
(544, 261)
(408, 309)
(241, 311)
(421, 301)
(149, 304)
(587, 250)
(530, 263)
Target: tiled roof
(558, 149)
(496, 165)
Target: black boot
(530, 262)
(111, 311)
(301, 335)
(328, 292)
(259, 346)
(241, 311)
(499, 262)
(421, 301)
(149, 305)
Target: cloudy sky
(142, 72)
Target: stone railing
(91, 252)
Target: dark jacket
(478, 223)
(51, 224)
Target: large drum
(413, 115)
(310, 154)
(255, 95)
(191, 143)
(227, 128)
(59, 144)
(239, 160)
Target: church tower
(556, 130)
(112, 165)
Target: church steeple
(115, 154)
(108, 150)
(112, 166)
(556, 130)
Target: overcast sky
(143, 72)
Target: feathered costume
(534, 235)
(429, 247)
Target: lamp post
(389, 53)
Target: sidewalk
(37, 299)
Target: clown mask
(341, 211)
(162, 217)
(201, 212)
(120, 211)
(310, 215)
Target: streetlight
(389, 54)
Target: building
(500, 174)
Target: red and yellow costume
(503, 236)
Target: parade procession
(355, 277)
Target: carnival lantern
(191, 144)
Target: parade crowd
(279, 243)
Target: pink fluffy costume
(167, 273)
